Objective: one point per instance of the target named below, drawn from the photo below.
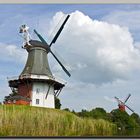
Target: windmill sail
(127, 98)
(59, 31)
(53, 41)
(40, 37)
(117, 100)
(129, 108)
(66, 71)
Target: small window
(37, 90)
(37, 101)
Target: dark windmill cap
(37, 62)
(36, 43)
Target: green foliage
(122, 119)
(66, 109)
(19, 120)
(73, 112)
(136, 118)
(57, 103)
(6, 98)
(83, 113)
(97, 113)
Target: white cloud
(109, 99)
(97, 51)
(12, 53)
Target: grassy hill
(34, 121)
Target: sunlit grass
(33, 121)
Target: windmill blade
(127, 98)
(59, 31)
(40, 37)
(129, 108)
(116, 98)
(119, 101)
(43, 41)
(66, 71)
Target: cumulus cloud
(97, 51)
(109, 99)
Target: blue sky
(103, 38)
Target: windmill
(122, 104)
(36, 82)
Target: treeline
(122, 119)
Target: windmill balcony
(43, 77)
(13, 78)
(15, 81)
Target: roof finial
(25, 34)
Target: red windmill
(122, 105)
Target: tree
(67, 109)
(57, 103)
(122, 119)
(83, 113)
(73, 112)
(6, 98)
(136, 118)
(98, 113)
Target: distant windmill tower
(36, 85)
(122, 105)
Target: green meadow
(34, 121)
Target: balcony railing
(33, 76)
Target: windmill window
(37, 101)
(37, 90)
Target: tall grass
(33, 121)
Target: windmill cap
(36, 43)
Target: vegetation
(33, 121)
(122, 119)
(6, 98)
(136, 118)
(126, 124)
(57, 103)
(97, 113)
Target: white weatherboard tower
(39, 95)
(36, 81)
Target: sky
(100, 46)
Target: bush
(122, 119)
(136, 118)
(57, 103)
